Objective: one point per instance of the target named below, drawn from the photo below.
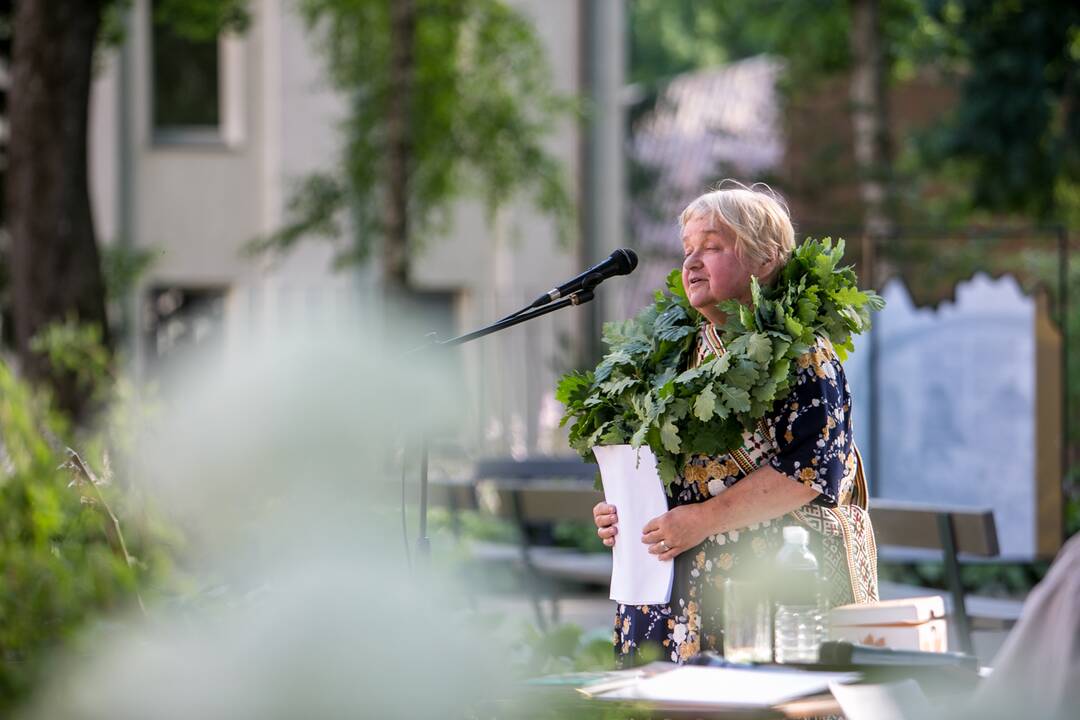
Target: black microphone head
(626, 260)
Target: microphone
(621, 262)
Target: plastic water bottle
(799, 622)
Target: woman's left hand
(675, 532)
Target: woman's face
(711, 271)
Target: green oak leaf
(705, 404)
(616, 386)
(735, 398)
(669, 436)
(667, 469)
(759, 348)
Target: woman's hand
(675, 532)
(605, 518)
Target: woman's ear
(768, 270)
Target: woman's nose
(691, 260)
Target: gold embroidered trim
(742, 459)
(859, 499)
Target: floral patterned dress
(806, 437)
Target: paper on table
(889, 701)
(731, 687)
(633, 486)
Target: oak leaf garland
(643, 392)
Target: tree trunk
(870, 118)
(54, 262)
(395, 250)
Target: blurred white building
(194, 152)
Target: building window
(186, 85)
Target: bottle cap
(796, 534)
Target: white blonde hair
(757, 215)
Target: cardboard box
(908, 624)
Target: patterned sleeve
(811, 427)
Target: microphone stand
(582, 296)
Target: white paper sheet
(633, 486)
(889, 701)
(730, 687)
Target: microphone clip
(581, 296)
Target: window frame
(228, 132)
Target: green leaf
(595, 435)
(691, 374)
(759, 348)
(730, 308)
(705, 404)
(619, 357)
(807, 307)
(798, 349)
(764, 392)
(793, 326)
(674, 284)
(848, 296)
(719, 365)
(667, 469)
(735, 398)
(651, 407)
(616, 386)
(666, 376)
(673, 324)
(669, 437)
(573, 387)
(712, 438)
(742, 375)
(780, 370)
(746, 317)
(678, 409)
(755, 292)
(602, 372)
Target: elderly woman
(726, 513)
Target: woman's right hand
(605, 518)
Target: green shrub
(63, 561)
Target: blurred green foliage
(62, 568)
(471, 525)
(480, 106)
(191, 19)
(122, 266)
(1010, 147)
(668, 37)
(1005, 580)
(565, 648)
(1017, 125)
(578, 535)
(76, 348)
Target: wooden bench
(542, 491)
(533, 494)
(954, 535)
